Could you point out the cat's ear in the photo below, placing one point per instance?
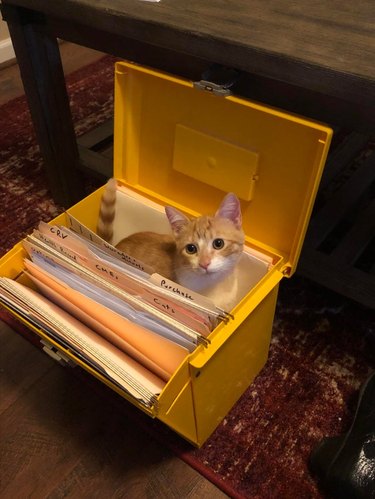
(230, 208)
(177, 219)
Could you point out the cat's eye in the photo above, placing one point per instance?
(218, 243)
(191, 249)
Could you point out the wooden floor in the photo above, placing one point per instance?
(57, 438)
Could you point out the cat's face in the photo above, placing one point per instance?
(208, 247)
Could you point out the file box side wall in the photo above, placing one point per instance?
(224, 378)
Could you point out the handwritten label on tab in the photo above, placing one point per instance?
(75, 225)
(106, 272)
(58, 232)
(40, 246)
(63, 250)
(126, 258)
(61, 240)
(176, 289)
(186, 293)
(52, 230)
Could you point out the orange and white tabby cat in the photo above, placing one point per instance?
(202, 254)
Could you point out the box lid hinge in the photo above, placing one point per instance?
(218, 80)
(286, 270)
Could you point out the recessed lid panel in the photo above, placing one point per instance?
(188, 147)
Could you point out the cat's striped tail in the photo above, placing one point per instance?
(107, 211)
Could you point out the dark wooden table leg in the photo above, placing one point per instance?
(41, 70)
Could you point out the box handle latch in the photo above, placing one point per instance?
(56, 354)
(218, 80)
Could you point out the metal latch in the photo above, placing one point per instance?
(217, 80)
(55, 354)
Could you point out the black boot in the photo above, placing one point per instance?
(346, 464)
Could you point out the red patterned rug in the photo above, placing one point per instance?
(321, 352)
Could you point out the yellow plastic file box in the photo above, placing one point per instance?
(183, 146)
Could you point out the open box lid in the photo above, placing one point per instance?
(188, 147)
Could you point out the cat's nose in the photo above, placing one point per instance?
(205, 264)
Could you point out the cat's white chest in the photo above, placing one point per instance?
(222, 291)
(225, 293)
